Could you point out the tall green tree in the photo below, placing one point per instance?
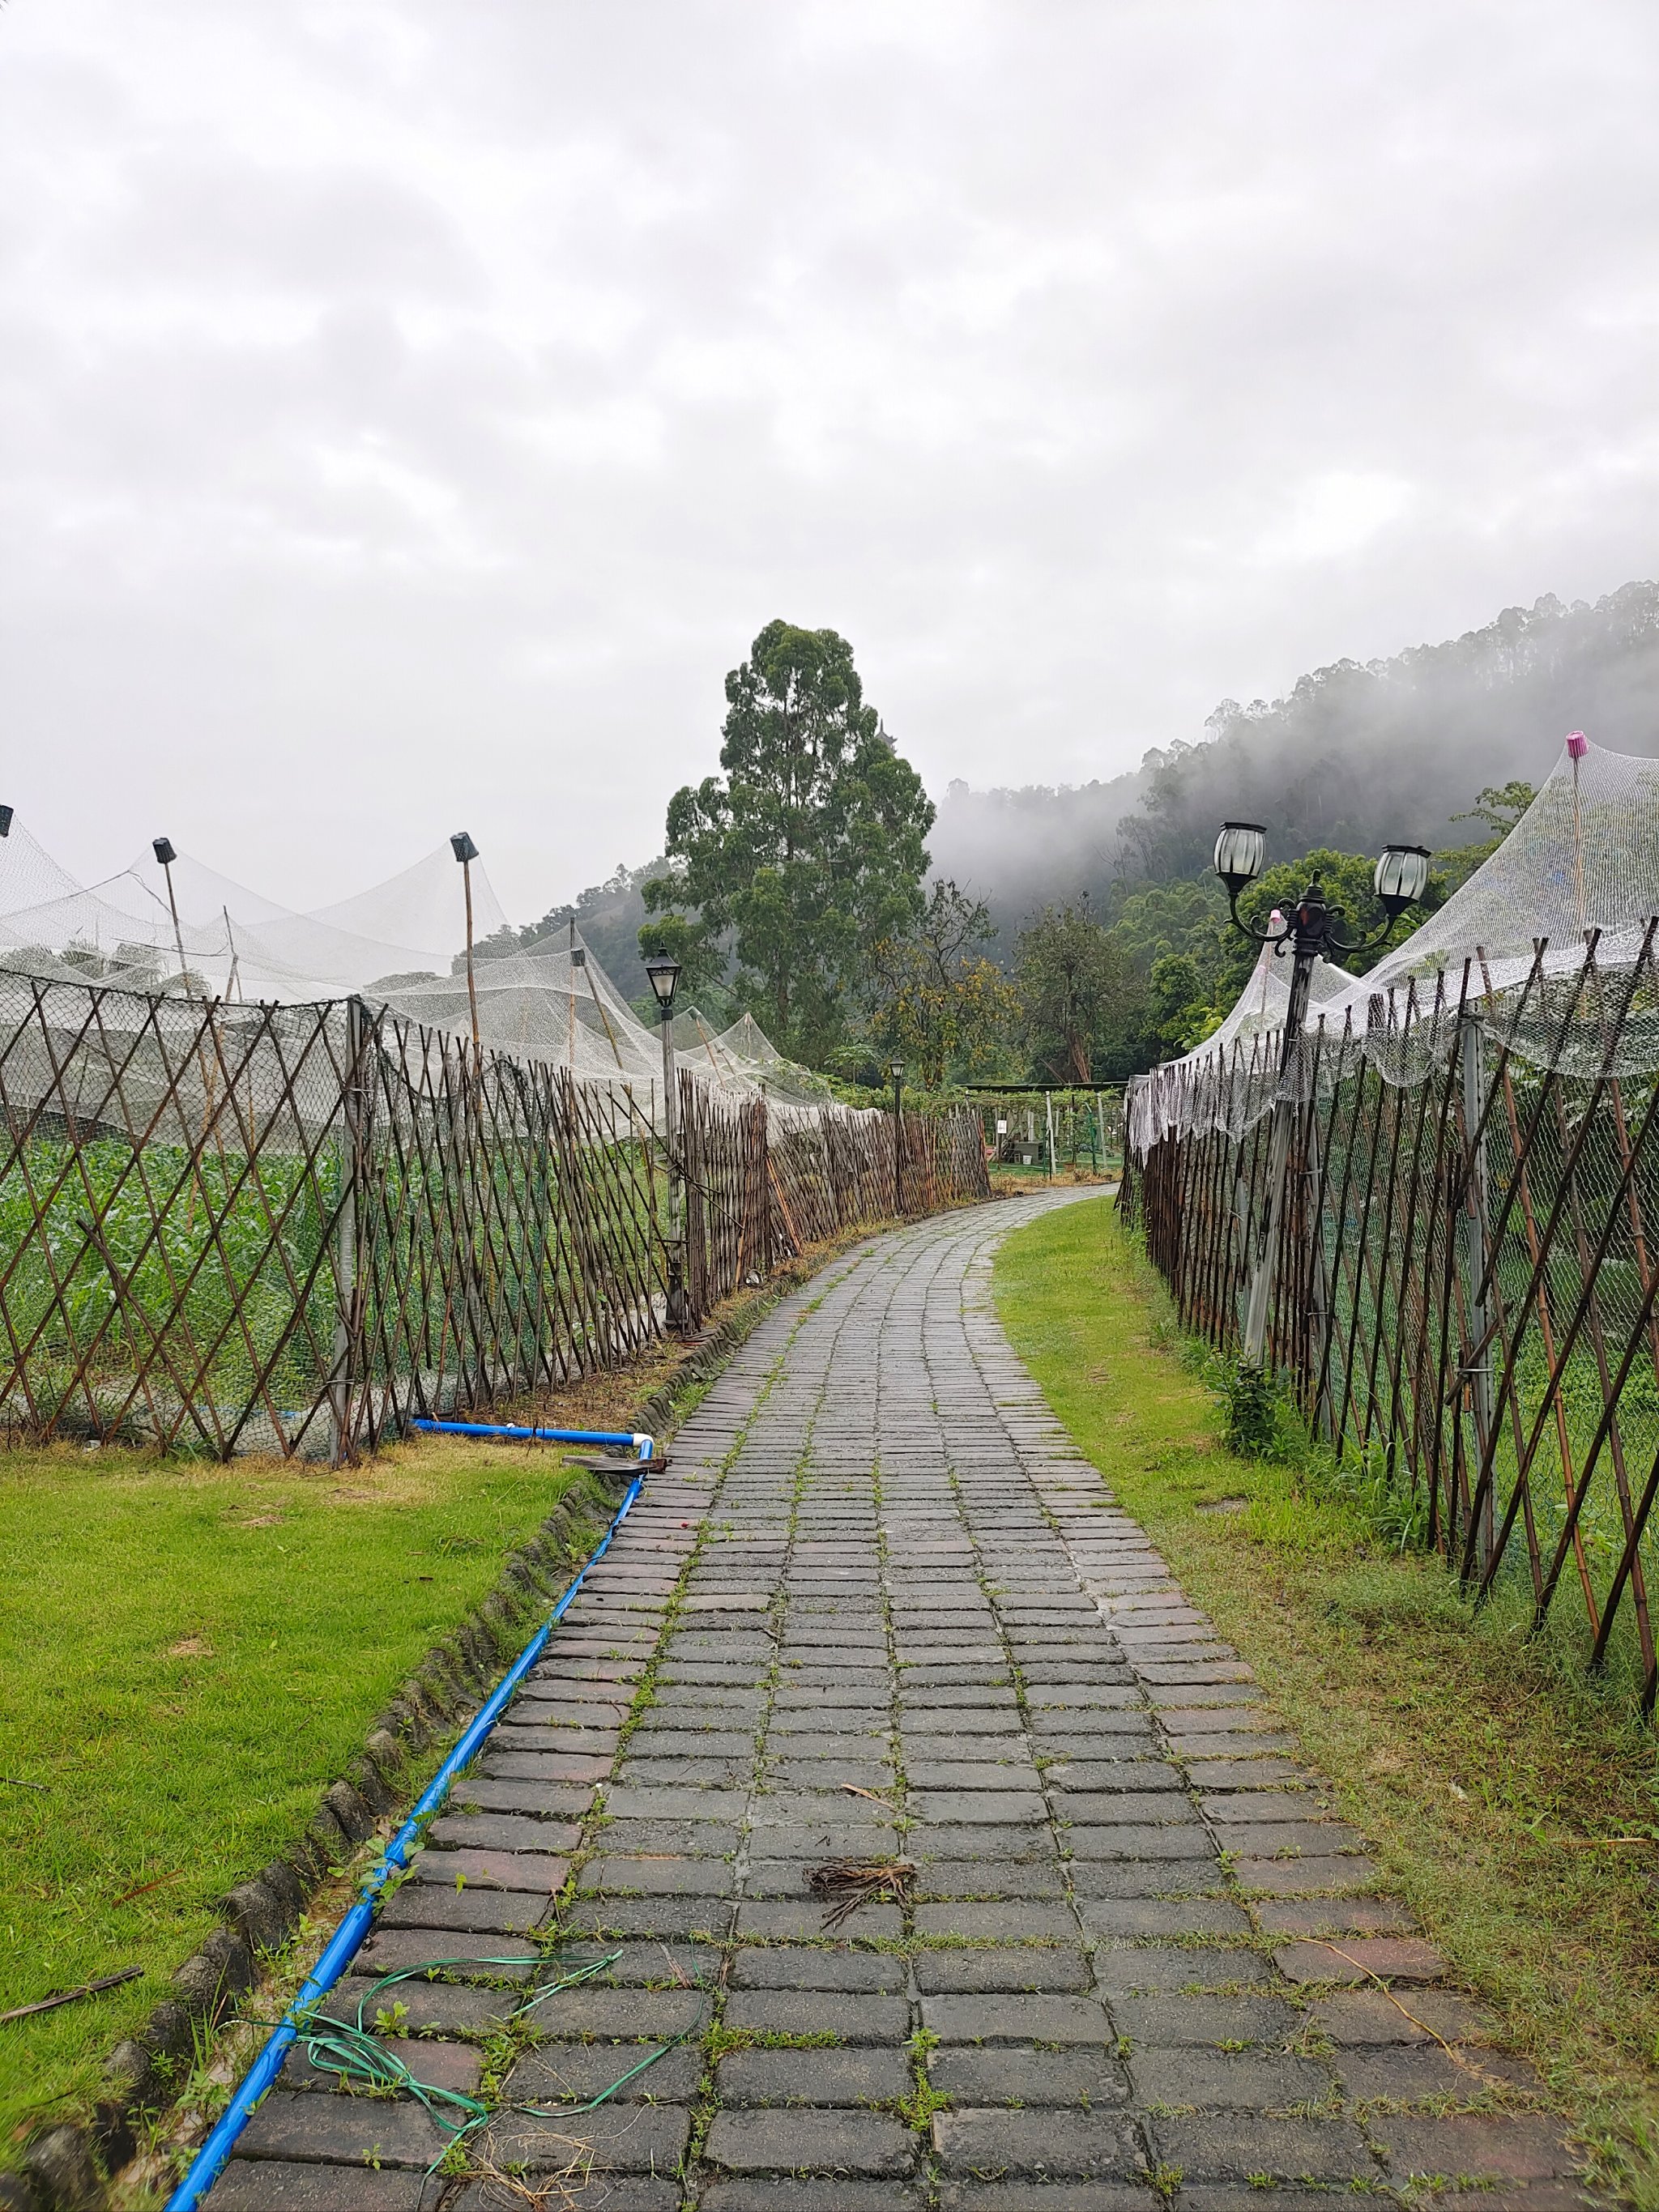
(1084, 1008)
(804, 853)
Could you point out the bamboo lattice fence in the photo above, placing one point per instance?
(293, 1228)
(1466, 1284)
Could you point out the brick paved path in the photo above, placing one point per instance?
(878, 1562)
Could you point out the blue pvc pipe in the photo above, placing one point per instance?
(347, 1939)
(634, 1443)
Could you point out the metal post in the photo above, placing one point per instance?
(898, 1141)
(346, 1319)
(1286, 1109)
(678, 1314)
(1477, 1214)
(1048, 1113)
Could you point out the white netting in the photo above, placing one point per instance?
(1545, 941)
(397, 945)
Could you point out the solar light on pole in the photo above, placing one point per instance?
(162, 848)
(466, 853)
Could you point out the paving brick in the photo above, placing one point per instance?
(1334, 1916)
(515, 1870)
(620, 2013)
(1367, 2017)
(1468, 2148)
(1154, 1966)
(474, 1911)
(1236, 2146)
(847, 2017)
(1167, 1878)
(783, 1921)
(1010, 1968)
(809, 2193)
(1002, 1923)
(294, 2125)
(1118, 1920)
(654, 1877)
(867, 2075)
(1406, 2073)
(251, 2185)
(1305, 1876)
(504, 1832)
(555, 2073)
(389, 1950)
(1093, 2145)
(431, 2008)
(800, 1967)
(1199, 2021)
(1053, 2197)
(793, 2141)
(1231, 2081)
(1002, 2076)
(1356, 1959)
(1058, 2020)
(616, 2138)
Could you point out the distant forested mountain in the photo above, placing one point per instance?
(1354, 755)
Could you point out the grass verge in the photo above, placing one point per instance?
(1515, 1805)
(190, 1654)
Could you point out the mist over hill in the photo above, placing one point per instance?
(1354, 755)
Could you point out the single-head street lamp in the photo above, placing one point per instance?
(663, 974)
(896, 1071)
(1313, 930)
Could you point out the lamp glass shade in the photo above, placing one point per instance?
(1402, 876)
(162, 847)
(1240, 852)
(663, 972)
(463, 847)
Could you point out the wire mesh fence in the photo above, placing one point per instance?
(292, 1227)
(1464, 1267)
(1049, 1130)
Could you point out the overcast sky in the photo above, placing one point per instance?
(409, 412)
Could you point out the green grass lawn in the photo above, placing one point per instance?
(1515, 1806)
(188, 1655)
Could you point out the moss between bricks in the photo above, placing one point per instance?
(68, 2167)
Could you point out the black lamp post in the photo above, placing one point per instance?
(663, 974)
(1313, 930)
(896, 1071)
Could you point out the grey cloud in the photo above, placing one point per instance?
(403, 411)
